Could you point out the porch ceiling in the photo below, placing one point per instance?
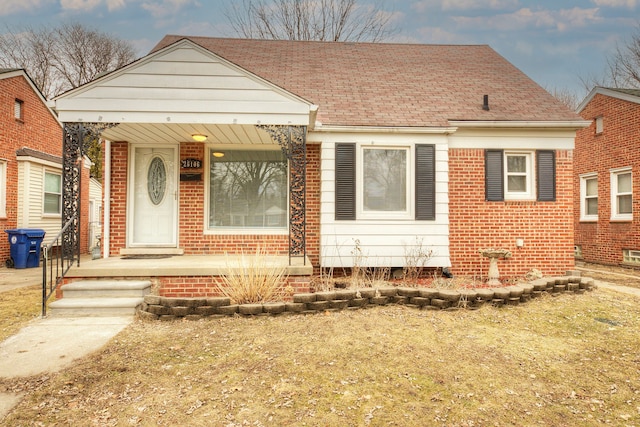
(181, 132)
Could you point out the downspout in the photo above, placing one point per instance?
(106, 173)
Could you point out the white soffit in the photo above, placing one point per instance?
(183, 83)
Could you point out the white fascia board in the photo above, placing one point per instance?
(551, 125)
(320, 128)
(607, 92)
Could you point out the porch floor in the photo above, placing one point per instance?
(176, 265)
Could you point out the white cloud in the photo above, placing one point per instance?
(7, 7)
(81, 5)
(166, 8)
(115, 4)
(427, 5)
(561, 20)
(630, 4)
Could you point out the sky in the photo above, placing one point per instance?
(558, 43)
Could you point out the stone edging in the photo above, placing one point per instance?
(163, 308)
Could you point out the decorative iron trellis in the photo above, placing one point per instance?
(292, 141)
(77, 137)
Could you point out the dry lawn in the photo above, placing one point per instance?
(17, 308)
(557, 361)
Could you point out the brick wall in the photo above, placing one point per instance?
(38, 130)
(545, 227)
(617, 146)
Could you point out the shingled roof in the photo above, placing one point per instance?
(379, 84)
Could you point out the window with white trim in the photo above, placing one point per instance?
(518, 176)
(384, 176)
(589, 197)
(52, 193)
(621, 194)
(248, 189)
(630, 256)
(3, 189)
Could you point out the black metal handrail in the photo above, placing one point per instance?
(64, 255)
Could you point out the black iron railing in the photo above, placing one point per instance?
(57, 258)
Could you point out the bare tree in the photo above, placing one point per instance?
(323, 20)
(62, 58)
(566, 96)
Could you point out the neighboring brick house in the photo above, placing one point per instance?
(30, 159)
(443, 148)
(606, 182)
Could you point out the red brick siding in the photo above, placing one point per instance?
(545, 227)
(617, 146)
(38, 130)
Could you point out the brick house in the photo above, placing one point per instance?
(338, 153)
(607, 158)
(30, 159)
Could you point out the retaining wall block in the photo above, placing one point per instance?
(217, 301)
(388, 291)
(380, 300)
(152, 299)
(358, 302)
(420, 301)
(205, 310)
(295, 307)
(408, 292)
(304, 298)
(338, 304)
(367, 293)
(428, 293)
(449, 295)
(345, 294)
(325, 296)
(318, 305)
(440, 303)
(180, 311)
(485, 294)
(227, 309)
(250, 309)
(274, 307)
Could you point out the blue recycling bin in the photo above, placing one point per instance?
(24, 247)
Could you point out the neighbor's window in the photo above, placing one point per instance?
(52, 193)
(599, 124)
(518, 175)
(621, 194)
(384, 180)
(577, 251)
(18, 109)
(630, 256)
(589, 197)
(248, 189)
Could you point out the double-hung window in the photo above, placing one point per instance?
(52, 193)
(390, 182)
(385, 182)
(520, 175)
(589, 197)
(621, 194)
(248, 190)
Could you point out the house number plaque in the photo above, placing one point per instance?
(191, 164)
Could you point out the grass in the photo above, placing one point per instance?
(570, 360)
(17, 307)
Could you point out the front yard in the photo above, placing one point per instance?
(564, 361)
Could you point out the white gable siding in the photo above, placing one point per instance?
(382, 242)
(183, 84)
(31, 199)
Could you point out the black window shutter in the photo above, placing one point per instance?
(345, 181)
(494, 175)
(546, 172)
(425, 182)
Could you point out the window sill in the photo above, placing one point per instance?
(589, 220)
(621, 220)
(246, 231)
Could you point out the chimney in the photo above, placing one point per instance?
(485, 103)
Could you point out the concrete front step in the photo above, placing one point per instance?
(73, 307)
(99, 298)
(106, 288)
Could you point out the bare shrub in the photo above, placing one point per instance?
(416, 258)
(254, 279)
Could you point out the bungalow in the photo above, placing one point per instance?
(331, 154)
(606, 178)
(31, 178)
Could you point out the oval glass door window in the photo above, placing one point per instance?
(156, 180)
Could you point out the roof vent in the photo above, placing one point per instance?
(485, 103)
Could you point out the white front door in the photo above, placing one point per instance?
(153, 197)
